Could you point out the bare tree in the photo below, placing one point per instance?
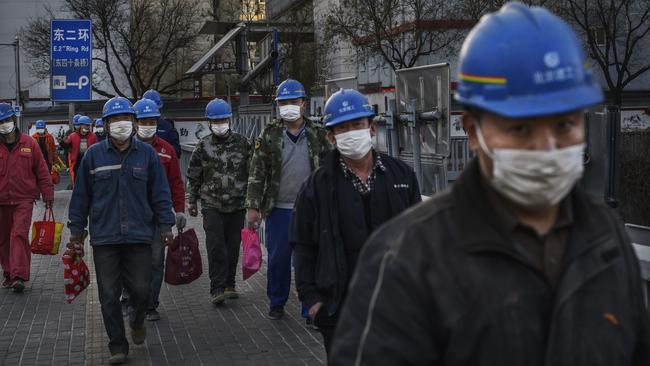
(400, 31)
(136, 42)
(616, 36)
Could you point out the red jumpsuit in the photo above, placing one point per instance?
(24, 177)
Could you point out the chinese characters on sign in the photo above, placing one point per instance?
(70, 60)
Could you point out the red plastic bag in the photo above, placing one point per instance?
(183, 263)
(56, 177)
(76, 276)
(46, 235)
(252, 252)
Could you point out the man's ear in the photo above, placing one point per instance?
(469, 125)
(373, 127)
(330, 137)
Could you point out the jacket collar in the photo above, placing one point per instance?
(108, 144)
(487, 233)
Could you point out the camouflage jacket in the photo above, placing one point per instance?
(266, 164)
(218, 172)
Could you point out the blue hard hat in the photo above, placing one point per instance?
(525, 62)
(75, 119)
(6, 111)
(40, 124)
(346, 105)
(146, 108)
(218, 109)
(153, 95)
(99, 122)
(85, 120)
(290, 89)
(117, 105)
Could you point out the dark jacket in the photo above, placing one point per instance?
(125, 199)
(317, 237)
(167, 132)
(443, 284)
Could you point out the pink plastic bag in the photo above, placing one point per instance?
(252, 252)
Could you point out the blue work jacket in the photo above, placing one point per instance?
(126, 196)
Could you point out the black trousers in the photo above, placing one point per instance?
(326, 325)
(222, 239)
(117, 265)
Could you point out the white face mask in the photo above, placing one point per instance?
(40, 131)
(354, 144)
(147, 132)
(290, 112)
(7, 128)
(121, 130)
(535, 178)
(220, 129)
(99, 129)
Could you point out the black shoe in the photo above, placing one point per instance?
(152, 315)
(309, 323)
(276, 313)
(218, 297)
(117, 359)
(18, 285)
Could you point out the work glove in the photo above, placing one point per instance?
(181, 220)
(166, 237)
(194, 211)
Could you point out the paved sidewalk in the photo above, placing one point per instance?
(39, 328)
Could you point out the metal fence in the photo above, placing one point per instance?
(634, 189)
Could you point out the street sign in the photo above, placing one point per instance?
(71, 60)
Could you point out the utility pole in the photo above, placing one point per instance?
(17, 52)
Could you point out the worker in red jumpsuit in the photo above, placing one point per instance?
(79, 141)
(24, 177)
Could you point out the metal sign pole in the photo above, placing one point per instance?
(17, 52)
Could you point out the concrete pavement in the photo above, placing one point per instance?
(39, 328)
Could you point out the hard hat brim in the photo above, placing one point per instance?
(554, 103)
(219, 116)
(288, 97)
(348, 118)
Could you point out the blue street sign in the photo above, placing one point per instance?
(71, 60)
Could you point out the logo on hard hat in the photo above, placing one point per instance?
(147, 109)
(552, 59)
(345, 103)
(117, 106)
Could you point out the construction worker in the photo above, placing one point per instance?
(166, 129)
(218, 176)
(121, 187)
(286, 153)
(98, 130)
(355, 191)
(515, 265)
(46, 143)
(24, 177)
(79, 141)
(146, 114)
